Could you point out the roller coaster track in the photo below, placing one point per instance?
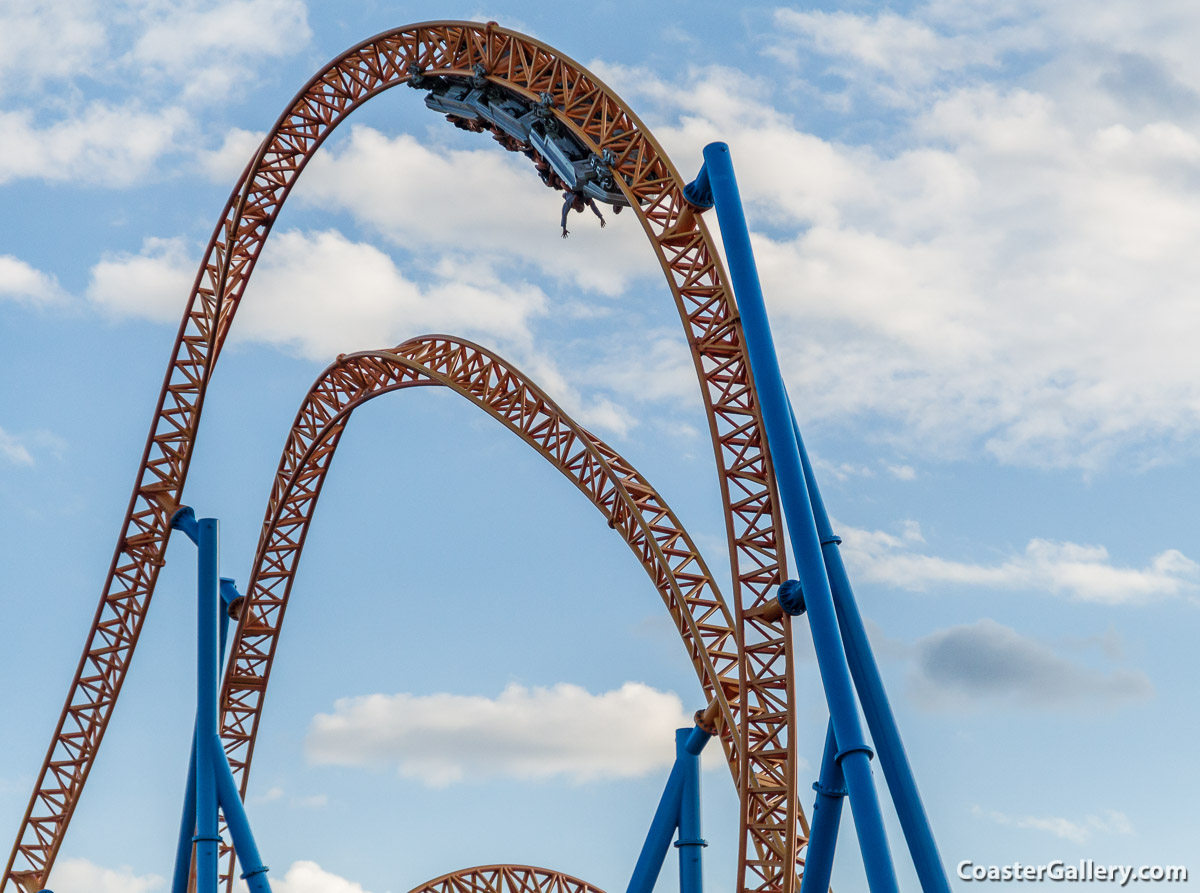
(630, 505)
(506, 879)
(772, 839)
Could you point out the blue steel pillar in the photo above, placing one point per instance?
(187, 828)
(207, 670)
(658, 838)
(793, 490)
(690, 844)
(187, 823)
(210, 780)
(253, 870)
(827, 815)
(679, 809)
(902, 784)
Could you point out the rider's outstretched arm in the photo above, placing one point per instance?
(596, 211)
(567, 201)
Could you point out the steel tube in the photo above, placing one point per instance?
(695, 740)
(690, 844)
(827, 815)
(207, 670)
(184, 520)
(187, 828)
(253, 870)
(806, 546)
(918, 833)
(658, 838)
(187, 823)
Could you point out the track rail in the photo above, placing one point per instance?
(506, 879)
(771, 820)
(628, 502)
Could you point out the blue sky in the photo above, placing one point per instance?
(975, 224)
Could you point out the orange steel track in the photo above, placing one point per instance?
(631, 506)
(770, 849)
(506, 879)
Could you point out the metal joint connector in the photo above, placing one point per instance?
(231, 597)
(791, 598)
(184, 519)
(834, 539)
(698, 193)
(696, 842)
(706, 719)
(253, 871)
(830, 792)
(856, 749)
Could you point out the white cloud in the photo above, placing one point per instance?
(485, 202)
(82, 876)
(101, 145)
(321, 294)
(271, 795)
(153, 284)
(21, 282)
(1082, 572)
(225, 163)
(1006, 268)
(987, 663)
(182, 34)
(41, 39)
(22, 449)
(840, 471)
(524, 733)
(308, 877)
(650, 366)
(14, 450)
(326, 294)
(1076, 831)
(276, 793)
(209, 46)
(884, 48)
(164, 58)
(203, 45)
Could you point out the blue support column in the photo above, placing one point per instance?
(658, 838)
(793, 491)
(893, 759)
(690, 844)
(210, 781)
(207, 669)
(827, 815)
(253, 870)
(679, 809)
(187, 823)
(187, 828)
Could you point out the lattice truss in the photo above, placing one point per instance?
(631, 506)
(506, 879)
(773, 826)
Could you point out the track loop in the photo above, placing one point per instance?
(772, 822)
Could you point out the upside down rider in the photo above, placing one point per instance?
(577, 201)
